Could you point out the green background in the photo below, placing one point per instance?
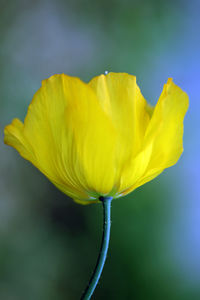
(48, 243)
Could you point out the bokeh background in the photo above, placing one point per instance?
(48, 244)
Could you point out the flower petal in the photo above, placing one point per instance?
(122, 101)
(15, 138)
(167, 127)
(94, 141)
(67, 135)
(164, 132)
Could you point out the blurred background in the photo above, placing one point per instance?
(49, 244)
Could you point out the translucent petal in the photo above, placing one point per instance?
(164, 133)
(121, 99)
(166, 127)
(68, 137)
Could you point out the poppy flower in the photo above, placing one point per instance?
(102, 138)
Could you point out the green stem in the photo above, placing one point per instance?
(103, 250)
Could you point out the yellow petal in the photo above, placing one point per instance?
(68, 137)
(94, 139)
(134, 171)
(85, 202)
(167, 127)
(164, 133)
(14, 137)
(122, 101)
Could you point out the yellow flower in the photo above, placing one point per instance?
(101, 138)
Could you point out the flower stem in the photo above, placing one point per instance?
(106, 201)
